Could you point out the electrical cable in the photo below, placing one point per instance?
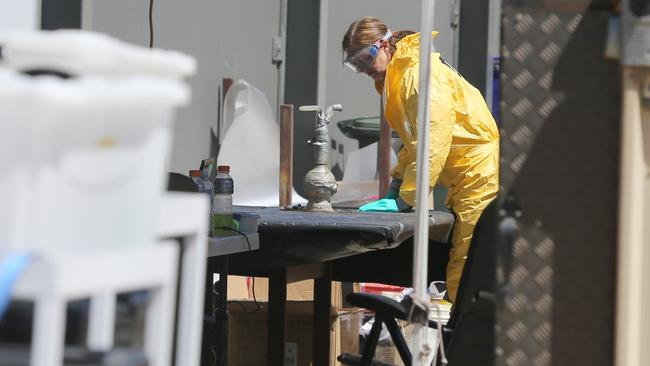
(253, 291)
(238, 232)
(150, 23)
(241, 305)
(257, 305)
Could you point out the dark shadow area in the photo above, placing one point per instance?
(569, 185)
(391, 266)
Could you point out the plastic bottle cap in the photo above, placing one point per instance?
(195, 173)
(223, 168)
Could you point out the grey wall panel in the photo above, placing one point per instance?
(301, 80)
(356, 91)
(473, 40)
(229, 38)
(60, 14)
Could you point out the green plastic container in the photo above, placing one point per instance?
(363, 129)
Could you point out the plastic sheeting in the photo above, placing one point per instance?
(251, 146)
(361, 164)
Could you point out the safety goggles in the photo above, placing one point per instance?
(362, 60)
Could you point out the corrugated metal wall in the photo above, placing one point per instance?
(560, 151)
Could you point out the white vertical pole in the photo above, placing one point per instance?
(633, 285)
(419, 347)
(101, 322)
(190, 317)
(48, 335)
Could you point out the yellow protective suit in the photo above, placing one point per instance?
(463, 143)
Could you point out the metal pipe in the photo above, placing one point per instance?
(419, 347)
(286, 154)
(384, 152)
(282, 64)
(319, 183)
(321, 142)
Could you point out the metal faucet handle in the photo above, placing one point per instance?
(310, 108)
(336, 107)
(325, 115)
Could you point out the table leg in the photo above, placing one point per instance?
(222, 312)
(322, 304)
(277, 321)
(215, 333)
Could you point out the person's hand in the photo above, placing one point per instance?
(382, 205)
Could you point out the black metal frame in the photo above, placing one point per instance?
(469, 334)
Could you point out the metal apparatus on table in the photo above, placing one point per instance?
(319, 183)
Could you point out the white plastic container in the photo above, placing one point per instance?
(83, 53)
(83, 159)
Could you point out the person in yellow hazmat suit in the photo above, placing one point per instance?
(463, 136)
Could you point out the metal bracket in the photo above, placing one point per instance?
(645, 92)
(277, 54)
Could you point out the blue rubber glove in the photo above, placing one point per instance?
(11, 266)
(382, 205)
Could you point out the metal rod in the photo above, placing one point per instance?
(286, 154)
(421, 240)
(282, 65)
(384, 152)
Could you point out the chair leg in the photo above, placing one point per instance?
(371, 342)
(48, 335)
(399, 341)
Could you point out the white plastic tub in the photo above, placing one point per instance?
(83, 160)
(83, 53)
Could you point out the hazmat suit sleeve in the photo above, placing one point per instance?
(441, 123)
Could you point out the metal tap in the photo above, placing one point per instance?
(319, 183)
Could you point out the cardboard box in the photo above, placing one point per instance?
(247, 333)
(241, 288)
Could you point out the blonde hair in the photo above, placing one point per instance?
(366, 31)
